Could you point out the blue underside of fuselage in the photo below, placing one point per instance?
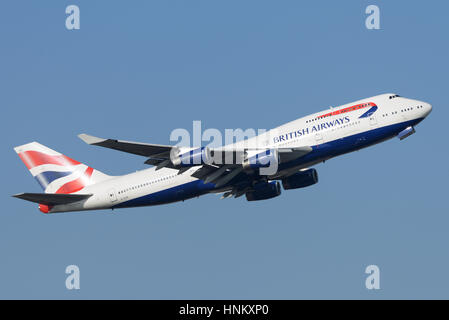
(319, 153)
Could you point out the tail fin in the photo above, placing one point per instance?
(55, 172)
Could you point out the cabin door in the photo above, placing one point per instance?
(112, 195)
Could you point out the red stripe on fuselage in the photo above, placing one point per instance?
(35, 158)
(78, 184)
(347, 109)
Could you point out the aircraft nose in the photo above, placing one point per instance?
(427, 108)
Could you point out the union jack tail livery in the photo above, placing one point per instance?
(55, 172)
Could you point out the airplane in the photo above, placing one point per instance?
(234, 170)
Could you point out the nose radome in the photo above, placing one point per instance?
(427, 108)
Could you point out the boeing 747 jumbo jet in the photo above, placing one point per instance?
(253, 167)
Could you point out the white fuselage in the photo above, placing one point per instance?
(331, 132)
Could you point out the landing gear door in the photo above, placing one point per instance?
(112, 195)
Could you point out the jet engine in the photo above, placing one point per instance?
(261, 160)
(194, 157)
(301, 179)
(263, 191)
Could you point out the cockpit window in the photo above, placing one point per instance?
(395, 96)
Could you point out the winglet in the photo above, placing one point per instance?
(90, 139)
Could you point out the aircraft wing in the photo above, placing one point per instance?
(138, 148)
(289, 154)
(220, 174)
(157, 152)
(52, 198)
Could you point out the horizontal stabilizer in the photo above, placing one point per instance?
(52, 198)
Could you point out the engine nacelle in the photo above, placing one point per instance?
(301, 179)
(264, 190)
(261, 160)
(193, 157)
(406, 132)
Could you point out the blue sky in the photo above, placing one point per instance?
(137, 71)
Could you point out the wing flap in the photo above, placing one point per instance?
(52, 198)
